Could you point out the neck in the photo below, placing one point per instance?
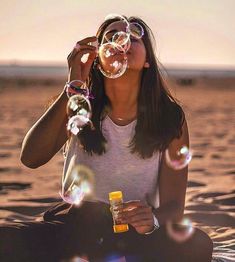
(122, 93)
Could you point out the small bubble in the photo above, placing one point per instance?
(100, 241)
(77, 184)
(181, 159)
(122, 39)
(136, 30)
(180, 231)
(79, 104)
(75, 123)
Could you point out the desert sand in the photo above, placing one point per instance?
(210, 111)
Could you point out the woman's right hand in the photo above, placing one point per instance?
(79, 70)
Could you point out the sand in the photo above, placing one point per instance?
(210, 110)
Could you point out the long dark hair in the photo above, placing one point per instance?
(159, 116)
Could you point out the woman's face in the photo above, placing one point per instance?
(136, 55)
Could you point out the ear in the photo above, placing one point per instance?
(146, 65)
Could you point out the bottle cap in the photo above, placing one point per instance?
(120, 228)
(115, 195)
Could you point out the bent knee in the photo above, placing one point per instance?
(205, 240)
(203, 243)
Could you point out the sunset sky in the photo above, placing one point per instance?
(187, 32)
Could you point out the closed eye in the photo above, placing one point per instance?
(133, 39)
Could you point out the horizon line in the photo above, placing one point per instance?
(48, 63)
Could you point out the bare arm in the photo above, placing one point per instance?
(172, 184)
(47, 135)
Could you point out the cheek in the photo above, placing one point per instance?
(141, 53)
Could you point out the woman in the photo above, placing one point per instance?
(135, 120)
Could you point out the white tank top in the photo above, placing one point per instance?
(118, 169)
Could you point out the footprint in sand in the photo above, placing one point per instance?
(5, 155)
(194, 184)
(10, 169)
(14, 186)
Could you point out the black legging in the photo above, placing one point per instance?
(67, 232)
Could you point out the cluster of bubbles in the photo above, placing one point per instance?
(78, 181)
(78, 107)
(112, 54)
(181, 160)
(181, 231)
(113, 49)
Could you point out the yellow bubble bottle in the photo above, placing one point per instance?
(116, 200)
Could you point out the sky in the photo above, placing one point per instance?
(187, 32)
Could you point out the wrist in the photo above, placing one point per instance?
(155, 225)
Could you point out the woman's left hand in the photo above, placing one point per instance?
(138, 215)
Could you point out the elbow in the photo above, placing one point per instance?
(27, 161)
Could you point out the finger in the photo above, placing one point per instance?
(90, 60)
(140, 215)
(74, 50)
(85, 51)
(128, 206)
(137, 210)
(143, 223)
(78, 48)
(136, 217)
(76, 59)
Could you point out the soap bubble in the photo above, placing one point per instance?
(76, 123)
(120, 17)
(135, 30)
(77, 184)
(112, 60)
(122, 39)
(180, 231)
(182, 159)
(79, 105)
(76, 87)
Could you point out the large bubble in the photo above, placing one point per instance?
(112, 60)
(181, 231)
(181, 159)
(77, 184)
(76, 123)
